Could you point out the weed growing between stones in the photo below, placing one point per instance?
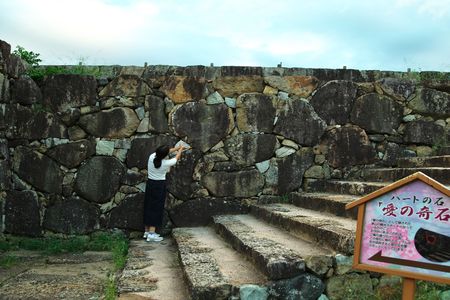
(284, 198)
(110, 288)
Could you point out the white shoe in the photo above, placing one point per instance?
(147, 233)
(154, 237)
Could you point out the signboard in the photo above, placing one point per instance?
(404, 229)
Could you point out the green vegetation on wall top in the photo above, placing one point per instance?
(38, 72)
(29, 56)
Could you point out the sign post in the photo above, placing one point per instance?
(404, 229)
(409, 288)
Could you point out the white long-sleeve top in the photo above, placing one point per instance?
(160, 173)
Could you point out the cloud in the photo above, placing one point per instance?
(330, 34)
(437, 9)
(86, 25)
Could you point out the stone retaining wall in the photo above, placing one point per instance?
(74, 148)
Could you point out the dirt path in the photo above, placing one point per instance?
(68, 276)
(152, 272)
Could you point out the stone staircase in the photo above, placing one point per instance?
(289, 249)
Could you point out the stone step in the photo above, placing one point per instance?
(325, 202)
(272, 258)
(445, 150)
(359, 188)
(212, 268)
(327, 230)
(388, 174)
(442, 161)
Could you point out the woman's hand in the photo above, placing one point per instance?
(175, 149)
(180, 150)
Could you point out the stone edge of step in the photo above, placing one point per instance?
(204, 279)
(337, 239)
(275, 260)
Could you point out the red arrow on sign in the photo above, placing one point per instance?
(410, 263)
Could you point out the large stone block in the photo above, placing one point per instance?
(301, 86)
(203, 125)
(133, 178)
(376, 113)
(4, 89)
(299, 122)
(141, 148)
(117, 122)
(4, 151)
(240, 71)
(333, 102)
(72, 216)
(286, 174)
(129, 214)
(181, 89)
(38, 170)
(233, 86)
(180, 177)
(5, 168)
(424, 132)
(255, 113)
(236, 184)
(348, 146)
(158, 122)
(99, 179)
(400, 89)
(25, 91)
(199, 212)
(22, 213)
(302, 287)
(72, 154)
(431, 102)
(5, 175)
(126, 85)
(64, 91)
(16, 67)
(5, 54)
(253, 292)
(248, 149)
(24, 123)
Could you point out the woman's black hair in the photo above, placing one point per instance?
(161, 152)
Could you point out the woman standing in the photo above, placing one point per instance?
(155, 190)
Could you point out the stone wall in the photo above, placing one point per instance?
(74, 148)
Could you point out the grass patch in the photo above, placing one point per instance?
(8, 261)
(284, 198)
(110, 288)
(429, 290)
(100, 241)
(425, 290)
(116, 243)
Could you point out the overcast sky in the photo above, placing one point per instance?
(382, 34)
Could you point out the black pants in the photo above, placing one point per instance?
(155, 198)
